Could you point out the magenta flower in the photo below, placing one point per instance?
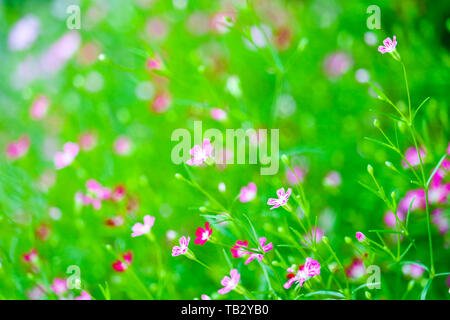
(161, 102)
(412, 157)
(205, 297)
(413, 270)
(356, 270)
(203, 235)
(419, 200)
(200, 153)
(218, 114)
(438, 194)
(259, 256)
(283, 198)
(292, 178)
(183, 248)
(140, 229)
(248, 193)
(122, 146)
(310, 269)
(390, 220)
(18, 149)
(360, 236)
(238, 250)
(67, 156)
(59, 286)
(230, 283)
(389, 45)
(30, 257)
(121, 266)
(440, 221)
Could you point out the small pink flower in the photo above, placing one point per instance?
(139, 229)
(200, 153)
(291, 177)
(39, 107)
(122, 146)
(161, 102)
(115, 221)
(315, 235)
(203, 235)
(87, 141)
(238, 250)
(154, 63)
(390, 220)
(441, 173)
(248, 193)
(389, 45)
(336, 64)
(218, 114)
(67, 156)
(438, 194)
(59, 286)
(183, 248)
(84, 296)
(332, 179)
(305, 272)
(118, 193)
(356, 270)
(205, 297)
(412, 157)
(121, 266)
(283, 198)
(259, 256)
(360, 236)
(440, 221)
(30, 257)
(419, 200)
(18, 149)
(413, 270)
(230, 283)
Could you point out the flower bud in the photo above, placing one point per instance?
(370, 169)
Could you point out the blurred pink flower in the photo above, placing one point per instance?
(413, 270)
(282, 200)
(183, 248)
(230, 283)
(156, 29)
(419, 200)
(122, 146)
(200, 153)
(412, 157)
(389, 45)
(115, 221)
(60, 52)
(238, 251)
(39, 107)
(356, 270)
(218, 114)
(203, 234)
(259, 256)
(23, 33)
(121, 266)
(31, 256)
(389, 218)
(205, 297)
(221, 22)
(59, 286)
(291, 177)
(154, 63)
(161, 102)
(84, 296)
(440, 221)
(315, 235)
(18, 149)
(439, 193)
(248, 193)
(310, 269)
(67, 156)
(87, 140)
(332, 179)
(337, 63)
(140, 229)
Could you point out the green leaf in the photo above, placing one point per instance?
(364, 286)
(436, 169)
(425, 289)
(327, 293)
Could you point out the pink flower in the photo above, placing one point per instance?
(332, 179)
(248, 193)
(200, 153)
(315, 235)
(115, 221)
(259, 256)
(65, 158)
(59, 53)
(59, 286)
(441, 173)
(17, 149)
(118, 193)
(238, 250)
(205, 297)
(389, 45)
(84, 296)
(413, 270)
(291, 177)
(283, 198)
(218, 114)
(154, 63)
(356, 270)
(412, 157)
(87, 141)
(122, 146)
(360, 236)
(121, 266)
(39, 107)
(440, 221)
(310, 269)
(96, 188)
(183, 248)
(139, 229)
(161, 102)
(390, 220)
(419, 200)
(337, 64)
(203, 235)
(30, 257)
(438, 194)
(230, 283)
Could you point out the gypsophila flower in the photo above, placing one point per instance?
(183, 248)
(230, 283)
(282, 200)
